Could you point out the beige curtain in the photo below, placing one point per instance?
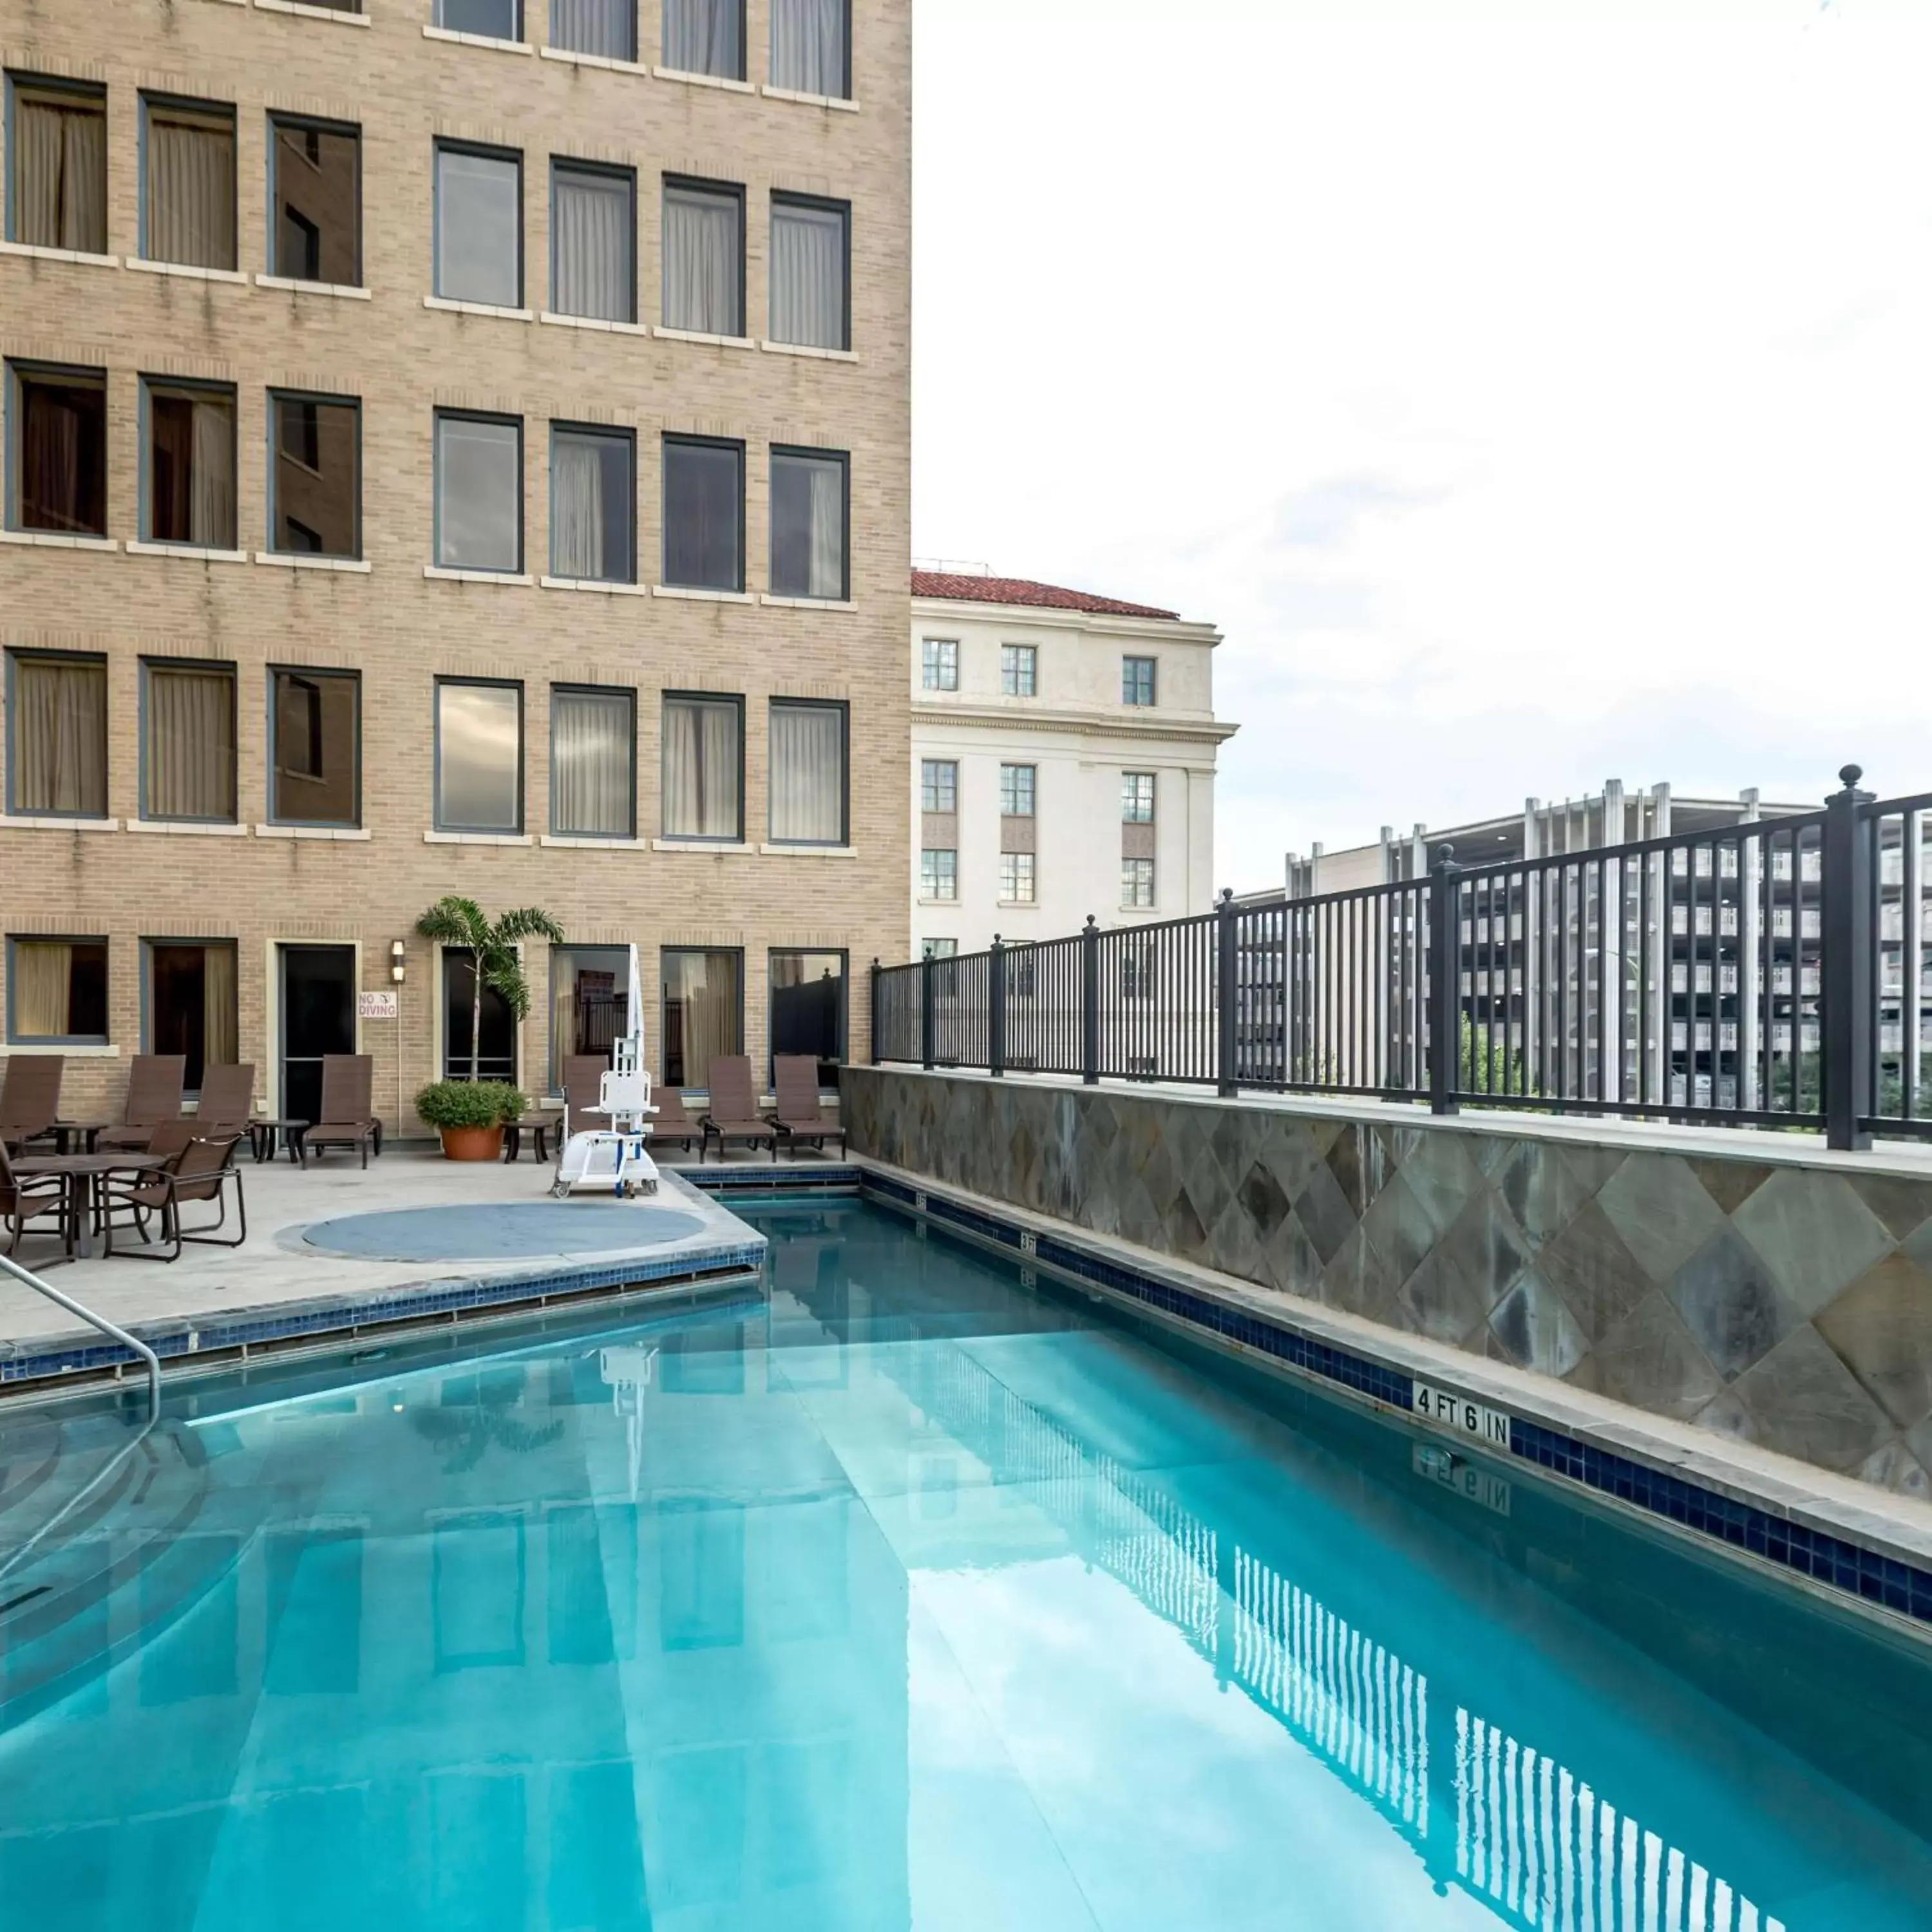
(807, 774)
(576, 506)
(190, 192)
(42, 975)
(592, 738)
(711, 1005)
(700, 769)
(221, 1032)
(60, 737)
(211, 477)
(61, 179)
(191, 743)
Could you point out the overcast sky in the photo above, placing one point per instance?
(1531, 401)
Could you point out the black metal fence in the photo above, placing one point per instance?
(1771, 972)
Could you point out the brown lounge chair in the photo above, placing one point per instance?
(226, 1099)
(30, 1096)
(733, 1114)
(583, 1078)
(201, 1171)
(26, 1197)
(154, 1099)
(671, 1122)
(348, 1118)
(799, 1115)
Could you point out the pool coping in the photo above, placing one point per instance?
(1826, 1534)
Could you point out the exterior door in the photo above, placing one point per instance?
(318, 1017)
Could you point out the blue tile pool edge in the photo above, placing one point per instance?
(1862, 1578)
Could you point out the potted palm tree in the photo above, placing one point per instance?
(470, 1115)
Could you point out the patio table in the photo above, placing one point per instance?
(84, 1179)
(262, 1134)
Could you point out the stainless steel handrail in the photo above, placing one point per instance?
(111, 1330)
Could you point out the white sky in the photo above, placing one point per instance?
(1533, 395)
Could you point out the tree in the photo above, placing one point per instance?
(492, 944)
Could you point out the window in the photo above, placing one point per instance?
(1020, 975)
(607, 28)
(704, 514)
(57, 474)
(1016, 791)
(808, 499)
(1137, 680)
(479, 493)
(939, 949)
(703, 257)
(1016, 878)
(189, 497)
(810, 254)
(479, 757)
(315, 765)
(315, 480)
(808, 995)
(56, 735)
(496, 1037)
(705, 36)
(938, 874)
(1137, 798)
(187, 742)
(1019, 665)
(703, 1012)
(592, 510)
(589, 1003)
(187, 192)
(479, 227)
(1136, 974)
(812, 47)
(1136, 883)
(494, 20)
(315, 232)
(57, 148)
(939, 665)
(593, 229)
(190, 1004)
(938, 784)
(703, 757)
(593, 745)
(808, 773)
(57, 992)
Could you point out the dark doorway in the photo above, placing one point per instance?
(318, 1017)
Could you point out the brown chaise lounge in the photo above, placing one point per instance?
(733, 1114)
(799, 1114)
(153, 1098)
(672, 1122)
(348, 1117)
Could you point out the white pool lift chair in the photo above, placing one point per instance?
(613, 1158)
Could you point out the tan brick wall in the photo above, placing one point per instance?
(400, 630)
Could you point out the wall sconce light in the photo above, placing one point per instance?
(397, 969)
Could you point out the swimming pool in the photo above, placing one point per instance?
(902, 1596)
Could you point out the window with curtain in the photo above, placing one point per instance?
(1137, 798)
(57, 736)
(1016, 786)
(315, 227)
(704, 514)
(703, 795)
(315, 480)
(479, 493)
(808, 508)
(479, 227)
(589, 1002)
(189, 497)
(809, 255)
(593, 736)
(807, 774)
(315, 775)
(187, 742)
(58, 152)
(591, 510)
(57, 992)
(187, 198)
(494, 20)
(479, 757)
(938, 873)
(812, 47)
(703, 258)
(1016, 878)
(939, 665)
(59, 446)
(705, 36)
(607, 28)
(703, 1012)
(191, 1007)
(807, 1008)
(939, 784)
(593, 227)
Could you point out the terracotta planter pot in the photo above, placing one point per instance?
(473, 1143)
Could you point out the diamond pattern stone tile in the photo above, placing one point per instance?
(1532, 1327)
(1593, 1166)
(1589, 1266)
(1655, 1202)
(1730, 1183)
(1880, 1330)
(1814, 1234)
(1651, 1360)
(1468, 1272)
(1806, 1402)
(1903, 1204)
(1358, 1280)
(1400, 1229)
(1359, 1162)
(1729, 1301)
(1440, 1174)
(1542, 1192)
(1895, 1468)
(1290, 1153)
(1289, 1260)
(1324, 1212)
(1262, 1198)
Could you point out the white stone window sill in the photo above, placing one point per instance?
(478, 839)
(939, 902)
(693, 596)
(340, 16)
(354, 566)
(29, 822)
(810, 851)
(343, 291)
(489, 40)
(186, 828)
(1018, 905)
(334, 835)
(808, 603)
(194, 552)
(596, 322)
(35, 252)
(699, 335)
(573, 58)
(590, 843)
(834, 100)
(66, 1049)
(595, 584)
(57, 540)
(187, 270)
(807, 350)
(479, 308)
(477, 576)
(717, 80)
(698, 845)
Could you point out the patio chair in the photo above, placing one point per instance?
(153, 1098)
(673, 1122)
(348, 1118)
(25, 1198)
(30, 1095)
(227, 1099)
(799, 1115)
(733, 1114)
(582, 1075)
(202, 1170)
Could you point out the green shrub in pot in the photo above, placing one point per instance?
(470, 1103)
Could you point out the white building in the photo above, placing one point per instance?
(1062, 761)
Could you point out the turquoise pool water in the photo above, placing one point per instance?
(903, 1597)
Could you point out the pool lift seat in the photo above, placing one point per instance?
(613, 1158)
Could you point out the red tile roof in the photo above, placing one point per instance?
(971, 589)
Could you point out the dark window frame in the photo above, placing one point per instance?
(15, 1037)
(353, 403)
(36, 369)
(12, 657)
(316, 674)
(144, 520)
(736, 700)
(441, 416)
(572, 164)
(150, 98)
(148, 941)
(844, 708)
(1131, 665)
(610, 433)
(667, 443)
(798, 452)
(521, 24)
(312, 123)
(233, 669)
(744, 73)
(481, 151)
(700, 185)
(843, 954)
(771, 65)
(576, 688)
(703, 952)
(94, 93)
(822, 205)
(522, 756)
